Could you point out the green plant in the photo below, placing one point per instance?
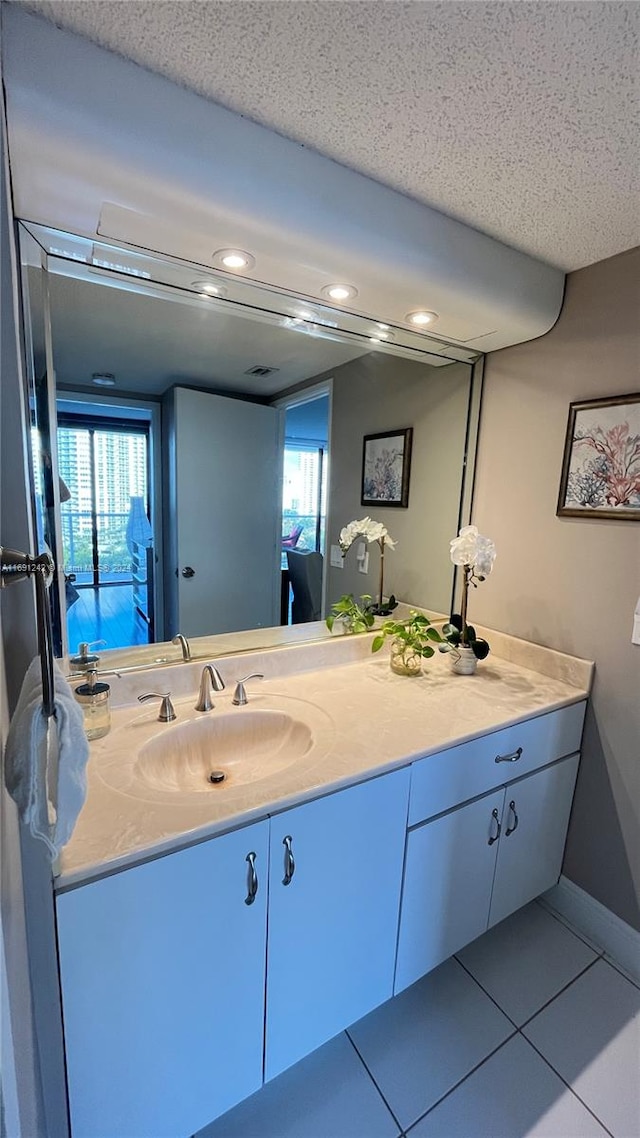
(415, 634)
(461, 635)
(355, 617)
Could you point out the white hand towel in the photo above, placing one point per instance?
(45, 760)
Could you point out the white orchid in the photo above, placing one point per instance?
(475, 554)
(366, 528)
(473, 550)
(371, 531)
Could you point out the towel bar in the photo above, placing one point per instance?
(15, 566)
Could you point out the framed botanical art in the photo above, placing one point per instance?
(601, 466)
(386, 463)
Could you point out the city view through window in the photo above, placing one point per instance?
(106, 533)
(303, 498)
(101, 469)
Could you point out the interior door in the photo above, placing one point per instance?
(226, 513)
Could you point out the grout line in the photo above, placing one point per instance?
(396, 1120)
(568, 1086)
(559, 993)
(461, 1081)
(620, 969)
(566, 923)
(488, 994)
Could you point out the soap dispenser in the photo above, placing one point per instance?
(93, 697)
(85, 659)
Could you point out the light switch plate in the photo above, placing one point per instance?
(635, 635)
(363, 563)
(337, 560)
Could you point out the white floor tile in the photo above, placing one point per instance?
(526, 960)
(326, 1095)
(420, 1044)
(591, 1036)
(513, 1095)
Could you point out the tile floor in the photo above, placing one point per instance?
(527, 1032)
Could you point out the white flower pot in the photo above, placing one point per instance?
(464, 662)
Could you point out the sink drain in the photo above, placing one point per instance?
(217, 776)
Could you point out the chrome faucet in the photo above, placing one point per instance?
(184, 644)
(210, 680)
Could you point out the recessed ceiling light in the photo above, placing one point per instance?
(103, 379)
(421, 317)
(340, 291)
(209, 288)
(234, 259)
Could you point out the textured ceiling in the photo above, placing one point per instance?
(519, 118)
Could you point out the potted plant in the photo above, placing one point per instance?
(476, 555)
(411, 642)
(372, 532)
(349, 616)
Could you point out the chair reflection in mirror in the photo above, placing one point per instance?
(290, 540)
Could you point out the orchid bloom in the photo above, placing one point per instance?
(366, 528)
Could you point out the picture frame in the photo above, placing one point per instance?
(601, 464)
(386, 467)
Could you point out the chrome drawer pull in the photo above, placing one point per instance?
(496, 818)
(252, 879)
(512, 810)
(512, 758)
(289, 863)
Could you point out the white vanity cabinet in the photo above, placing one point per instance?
(534, 825)
(189, 980)
(470, 865)
(333, 914)
(162, 974)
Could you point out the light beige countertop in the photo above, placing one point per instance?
(364, 719)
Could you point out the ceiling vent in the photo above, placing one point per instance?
(261, 369)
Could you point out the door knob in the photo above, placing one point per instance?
(188, 571)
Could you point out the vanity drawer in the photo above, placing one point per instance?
(444, 780)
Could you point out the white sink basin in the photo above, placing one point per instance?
(172, 763)
(242, 747)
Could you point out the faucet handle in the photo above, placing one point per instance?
(240, 695)
(167, 711)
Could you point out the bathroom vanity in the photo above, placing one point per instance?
(212, 935)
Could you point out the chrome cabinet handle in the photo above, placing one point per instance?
(252, 879)
(496, 818)
(512, 810)
(512, 758)
(289, 861)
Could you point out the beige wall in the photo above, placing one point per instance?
(379, 393)
(572, 583)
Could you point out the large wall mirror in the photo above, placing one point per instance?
(197, 448)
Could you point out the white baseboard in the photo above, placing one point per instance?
(603, 928)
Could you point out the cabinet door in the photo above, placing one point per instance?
(536, 816)
(447, 886)
(162, 974)
(333, 927)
